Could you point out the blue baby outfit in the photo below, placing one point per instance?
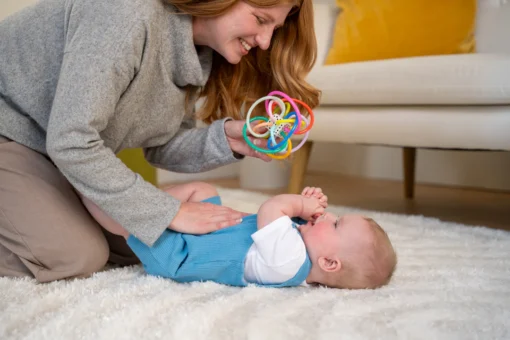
(218, 256)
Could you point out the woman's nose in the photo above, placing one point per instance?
(264, 38)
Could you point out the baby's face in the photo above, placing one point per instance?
(330, 233)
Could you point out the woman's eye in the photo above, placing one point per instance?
(260, 20)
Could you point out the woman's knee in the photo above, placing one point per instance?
(54, 237)
(91, 256)
(78, 259)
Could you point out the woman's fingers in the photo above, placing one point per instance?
(203, 218)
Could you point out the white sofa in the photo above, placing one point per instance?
(444, 102)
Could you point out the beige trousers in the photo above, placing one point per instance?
(45, 231)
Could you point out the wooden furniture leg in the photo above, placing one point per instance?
(409, 159)
(298, 169)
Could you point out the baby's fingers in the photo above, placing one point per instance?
(307, 191)
(319, 195)
(317, 192)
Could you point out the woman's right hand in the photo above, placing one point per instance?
(236, 142)
(203, 218)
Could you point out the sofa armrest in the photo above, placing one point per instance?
(493, 25)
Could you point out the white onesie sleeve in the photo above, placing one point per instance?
(276, 255)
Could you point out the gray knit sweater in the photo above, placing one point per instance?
(81, 80)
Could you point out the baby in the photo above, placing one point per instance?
(291, 241)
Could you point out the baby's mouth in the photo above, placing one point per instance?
(314, 220)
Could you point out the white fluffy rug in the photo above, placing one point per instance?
(452, 282)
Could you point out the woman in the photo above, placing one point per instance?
(80, 80)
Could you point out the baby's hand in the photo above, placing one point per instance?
(312, 208)
(317, 193)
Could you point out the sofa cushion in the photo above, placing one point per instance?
(463, 79)
(447, 127)
(375, 29)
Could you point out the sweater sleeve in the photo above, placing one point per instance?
(194, 149)
(97, 68)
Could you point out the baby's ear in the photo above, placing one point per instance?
(330, 265)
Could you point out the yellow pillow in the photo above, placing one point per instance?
(383, 29)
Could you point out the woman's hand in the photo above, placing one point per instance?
(203, 218)
(234, 133)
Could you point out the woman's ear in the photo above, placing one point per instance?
(330, 265)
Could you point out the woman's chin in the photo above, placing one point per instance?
(233, 58)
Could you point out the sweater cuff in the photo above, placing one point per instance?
(235, 156)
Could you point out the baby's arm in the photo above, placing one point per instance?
(288, 205)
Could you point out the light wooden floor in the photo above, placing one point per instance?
(467, 206)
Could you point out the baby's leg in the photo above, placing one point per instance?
(103, 219)
(192, 192)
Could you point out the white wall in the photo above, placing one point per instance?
(229, 171)
(8, 7)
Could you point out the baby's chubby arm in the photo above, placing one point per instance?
(289, 205)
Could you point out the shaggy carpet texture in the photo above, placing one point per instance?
(452, 282)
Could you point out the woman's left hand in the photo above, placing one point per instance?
(234, 132)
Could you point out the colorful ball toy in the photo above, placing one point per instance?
(281, 123)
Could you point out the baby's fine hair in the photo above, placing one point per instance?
(371, 267)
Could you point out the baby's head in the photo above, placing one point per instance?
(350, 251)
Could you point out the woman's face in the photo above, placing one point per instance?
(242, 28)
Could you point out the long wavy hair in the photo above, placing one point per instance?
(283, 66)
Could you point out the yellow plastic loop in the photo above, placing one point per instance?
(285, 155)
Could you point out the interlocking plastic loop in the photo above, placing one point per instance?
(282, 124)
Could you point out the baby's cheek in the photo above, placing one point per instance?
(320, 234)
